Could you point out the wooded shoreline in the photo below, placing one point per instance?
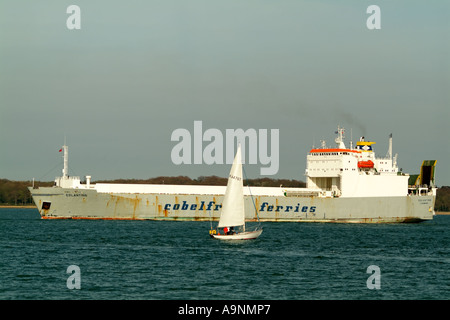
(14, 194)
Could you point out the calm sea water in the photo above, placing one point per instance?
(178, 260)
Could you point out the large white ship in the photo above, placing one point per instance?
(342, 185)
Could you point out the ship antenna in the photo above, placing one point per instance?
(66, 159)
(340, 139)
(351, 138)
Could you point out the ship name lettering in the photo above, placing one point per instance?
(185, 206)
(212, 206)
(297, 208)
(76, 195)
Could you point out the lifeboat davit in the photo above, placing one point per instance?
(365, 164)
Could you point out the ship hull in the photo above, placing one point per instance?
(69, 203)
(250, 235)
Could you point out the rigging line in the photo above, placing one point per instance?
(253, 201)
(210, 219)
(73, 171)
(57, 165)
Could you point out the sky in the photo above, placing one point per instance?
(117, 88)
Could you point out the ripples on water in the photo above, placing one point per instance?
(178, 260)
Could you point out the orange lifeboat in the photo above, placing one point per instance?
(365, 164)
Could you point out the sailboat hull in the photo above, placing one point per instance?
(248, 235)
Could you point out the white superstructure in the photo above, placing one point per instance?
(343, 172)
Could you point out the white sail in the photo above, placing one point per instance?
(233, 213)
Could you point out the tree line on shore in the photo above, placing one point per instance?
(16, 192)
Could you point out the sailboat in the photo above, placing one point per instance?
(232, 216)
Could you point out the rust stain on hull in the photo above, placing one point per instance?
(120, 205)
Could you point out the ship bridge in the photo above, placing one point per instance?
(354, 172)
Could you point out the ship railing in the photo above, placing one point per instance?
(422, 190)
(69, 178)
